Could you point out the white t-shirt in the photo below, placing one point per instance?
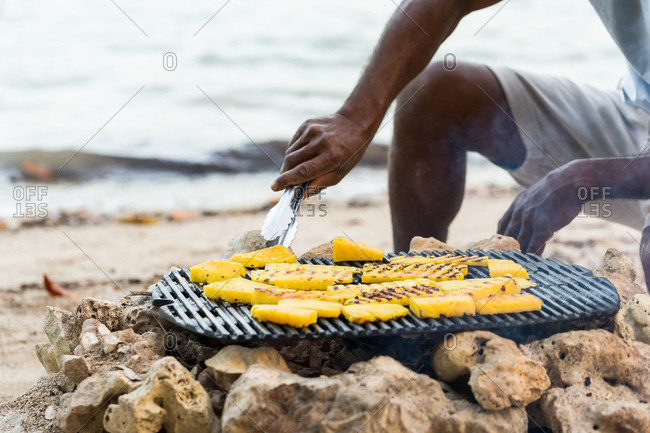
(628, 21)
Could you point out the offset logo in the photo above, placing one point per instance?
(313, 206)
(30, 201)
(170, 61)
(595, 208)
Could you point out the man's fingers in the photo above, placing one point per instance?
(302, 173)
(307, 133)
(504, 221)
(513, 227)
(301, 155)
(299, 132)
(525, 233)
(537, 243)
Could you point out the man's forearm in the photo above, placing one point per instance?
(615, 178)
(410, 39)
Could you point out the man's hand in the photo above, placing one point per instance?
(323, 151)
(541, 210)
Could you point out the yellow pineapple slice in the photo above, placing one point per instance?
(398, 283)
(482, 287)
(323, 308)
(508, 304)
(386, 272)
(270, 295)
(259, 258)
(499, 268)
(447, 258)
(391, 293)
(524, 283)
(415, 260)
(261, 276)
(234, 290)
(373, 312)
(347, 291)
(304, 282)
(304, 277)
(215, 270)
(346, 250)
(301, 267)
(447, 306)
(285, 315)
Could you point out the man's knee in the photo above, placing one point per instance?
(439, 88)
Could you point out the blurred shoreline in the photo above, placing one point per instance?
(91, 186)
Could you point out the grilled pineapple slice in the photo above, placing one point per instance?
(385, 272)
(346, 250)
(482, 287)
(341, 294)
(234, 290)
(323, 308)
(285, 315)
(304, 282)
(415, 260)
(524, 283)
(499, 268)
(398, 283)
(301, 267)
(259, 258)
(387, 293)
(448, 306)
(447, 258)
(270, 295)
(373, 312)
(262, 276)
(304, 277)
(216, 270)
(508, 304)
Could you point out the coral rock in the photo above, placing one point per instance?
(83, 410)
(75, 368)
(377, 396)
(633, 321)
(244, 242)
(496, 242)
(620, 270)
(500, 375)
(169, 399)
(325, 250)
(600, 382)
(60, 330)
(231, 361)
(48, 357)
(419, 244)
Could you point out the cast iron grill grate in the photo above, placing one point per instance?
(569, 293)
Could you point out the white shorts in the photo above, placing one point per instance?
(560, 121)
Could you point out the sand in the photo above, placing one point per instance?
(111, 259)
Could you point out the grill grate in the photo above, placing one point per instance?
(569, 293)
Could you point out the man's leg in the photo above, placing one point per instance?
(455, 112)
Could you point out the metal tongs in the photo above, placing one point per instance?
(280, 225)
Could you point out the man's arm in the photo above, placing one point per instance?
(324, 150)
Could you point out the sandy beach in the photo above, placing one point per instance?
(111, 259)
